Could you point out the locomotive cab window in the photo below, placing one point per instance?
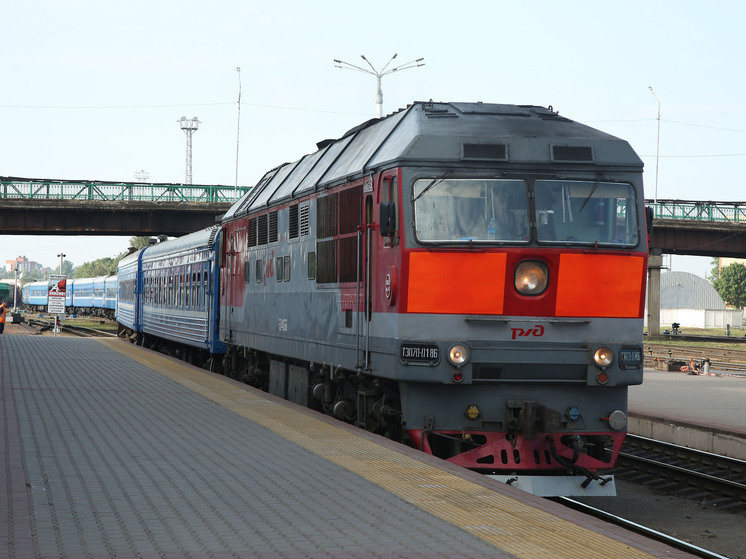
(389, 197)
(469, 210)
(586, 212)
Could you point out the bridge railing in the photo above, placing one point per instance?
(37, 189)
(732, 212)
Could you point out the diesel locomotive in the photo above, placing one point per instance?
(468, 278)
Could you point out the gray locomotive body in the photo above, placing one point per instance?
(469, 278)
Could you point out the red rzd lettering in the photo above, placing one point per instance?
(536, 331)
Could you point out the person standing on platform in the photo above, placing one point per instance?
(3, 307)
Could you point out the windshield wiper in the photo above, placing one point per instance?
(435, 181)
(595, 186)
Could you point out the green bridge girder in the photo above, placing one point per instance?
(91, 190)
(688, 210)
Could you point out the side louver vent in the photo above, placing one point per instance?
(489, 152)
(582, 154)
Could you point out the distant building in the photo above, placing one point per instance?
(692, 302)
(22, 264)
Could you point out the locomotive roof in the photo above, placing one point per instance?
(427, 133)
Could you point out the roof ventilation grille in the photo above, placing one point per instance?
(485, 152)
(575, 154)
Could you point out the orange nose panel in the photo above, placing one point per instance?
(456, 283)
(600, 285)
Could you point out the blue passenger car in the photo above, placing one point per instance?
(110, 295)
(129, 287)
(83, 295)
(99, 294)
(179, 298)
(69, 294)
(35, 295)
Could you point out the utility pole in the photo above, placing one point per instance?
(238, 127)
(189, 126)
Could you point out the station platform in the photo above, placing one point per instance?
(110, 450)
(702, 411)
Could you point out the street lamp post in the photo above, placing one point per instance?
(379, 74)
(657, 144)
(15, 286)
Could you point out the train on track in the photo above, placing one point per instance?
(467, 278)
(83, 296)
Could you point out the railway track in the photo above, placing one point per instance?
(714, 480)
(42, 325)
(694, 496)
(639, 529)
(721, 359)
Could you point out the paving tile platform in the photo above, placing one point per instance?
(109, 450)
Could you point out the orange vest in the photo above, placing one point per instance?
(2, 314)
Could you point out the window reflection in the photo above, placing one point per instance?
(471, 210)
(497, 211)
(585, 212)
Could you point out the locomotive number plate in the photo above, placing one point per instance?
(419, 352)
(630, 358)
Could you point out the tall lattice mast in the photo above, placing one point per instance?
(188, 125)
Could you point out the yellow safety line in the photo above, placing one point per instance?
(509, 524)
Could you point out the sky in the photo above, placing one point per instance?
(93, 90)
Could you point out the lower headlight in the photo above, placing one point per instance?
(458, 354)
(603, 357)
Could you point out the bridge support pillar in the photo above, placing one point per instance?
(655, 263)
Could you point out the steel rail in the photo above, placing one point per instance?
(688, 466)
(639, 529)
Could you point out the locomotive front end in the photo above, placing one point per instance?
(521, 308)
(528, 324)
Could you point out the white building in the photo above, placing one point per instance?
(692, 302)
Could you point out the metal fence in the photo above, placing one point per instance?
(732, 212)
(35, 189)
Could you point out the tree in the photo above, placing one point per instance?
(714, 271)
(100, 267)
(731, 285)
(67, 269)
(139, 242)
(34, 275)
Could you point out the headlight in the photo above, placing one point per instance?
(603, 357)
(531, 277)
(458, 355)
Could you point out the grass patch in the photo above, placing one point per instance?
(94, 323)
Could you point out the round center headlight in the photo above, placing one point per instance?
(531, 277)
(603, 357)
(458, 354)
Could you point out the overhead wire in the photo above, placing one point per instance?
(175, 105)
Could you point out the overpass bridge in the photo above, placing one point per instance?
(695, 228)
(45, 207)
(68, 207)
(699, 228)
